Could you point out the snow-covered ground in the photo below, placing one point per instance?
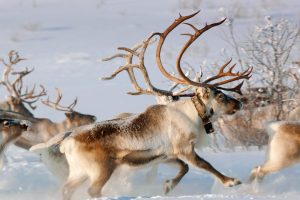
(65, 40)
(26, 178)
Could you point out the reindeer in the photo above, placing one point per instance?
(162, 96)
(162, 133)
(283, 148)
(246, 127)
(42, 129)
(73, 118)
(10, 130)
(50, 155)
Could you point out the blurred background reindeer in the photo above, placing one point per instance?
(41, 129)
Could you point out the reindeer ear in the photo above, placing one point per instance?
(68, 115)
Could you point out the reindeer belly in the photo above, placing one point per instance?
(142, 157)
(157, 141)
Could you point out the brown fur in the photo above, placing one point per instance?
(136, 128)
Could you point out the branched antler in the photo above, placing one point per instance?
(56, 104)
(192, 37)
(138, 51)
(15, 87)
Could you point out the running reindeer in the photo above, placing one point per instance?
(73, 118)
(162, 133)
(283, 148)
(162, 96)
(50, 155)
(42, 129)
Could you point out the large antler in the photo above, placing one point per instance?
(15, 88)
(56, 104)
(184, 79)
(138, 51)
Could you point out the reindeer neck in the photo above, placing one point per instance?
(187, 107)
(196, 110)
(62, 126)
(204, 113)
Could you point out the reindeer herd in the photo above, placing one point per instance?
(79, 149)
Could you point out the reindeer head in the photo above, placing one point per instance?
(218, 102)
(10, 130)
(73, 118)
(207, 92)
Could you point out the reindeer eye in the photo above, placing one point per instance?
(221, 96)
(6, 123)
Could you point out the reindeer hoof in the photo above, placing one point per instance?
(168, 186)
(232, 182)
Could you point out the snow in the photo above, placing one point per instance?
(64, 40)
(25, 177)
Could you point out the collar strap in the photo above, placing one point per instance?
(200, 107)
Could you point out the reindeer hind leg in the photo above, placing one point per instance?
(71, 185)
(99, 180)
(171, 184)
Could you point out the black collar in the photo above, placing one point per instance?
(201, 109)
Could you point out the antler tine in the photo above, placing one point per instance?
(243, 75)
(72, 105)
(236, 89)
(138, 51)
(163, 36)
(198, 32)
(13, 59)
(18, 82)
(128, 65)
(56, 104)
(31, 95)
(222, 73)
(237, 75)
(121, 55)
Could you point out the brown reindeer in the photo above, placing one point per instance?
(73, 118)
(50, 155)
(40, 131)
(43, 128)
(162, 133)
(283, 148)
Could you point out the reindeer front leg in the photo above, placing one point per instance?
(192, 158)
